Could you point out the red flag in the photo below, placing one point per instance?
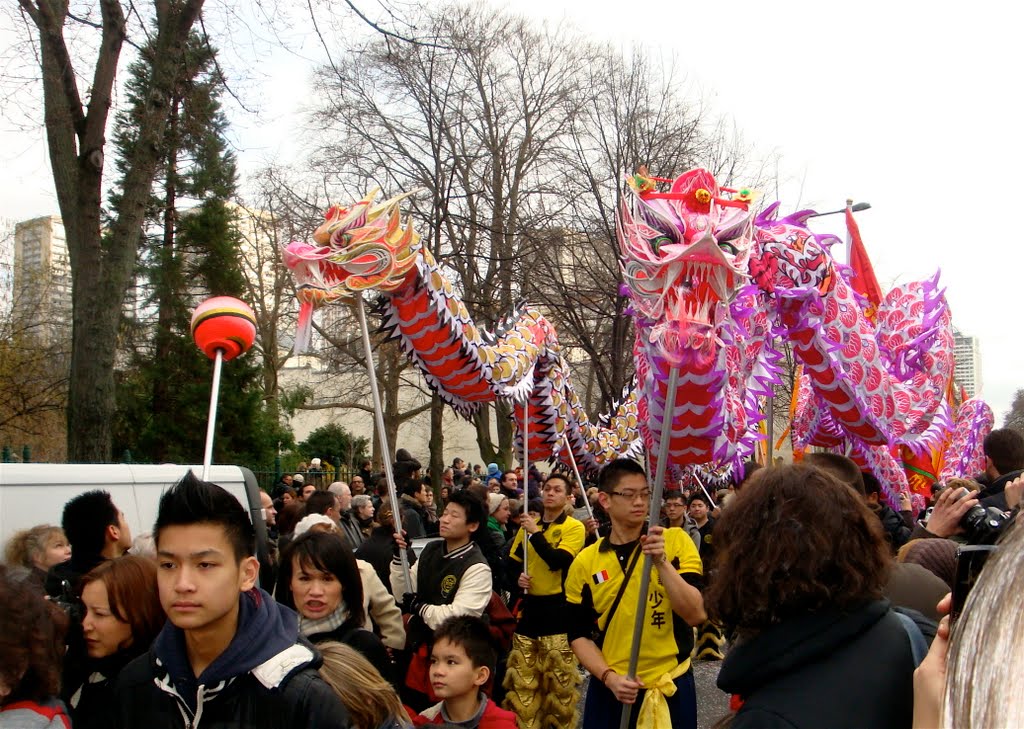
(864, 281)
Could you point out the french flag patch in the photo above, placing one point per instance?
(600, 577)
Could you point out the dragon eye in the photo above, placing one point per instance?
(728, 248)
(661, 240)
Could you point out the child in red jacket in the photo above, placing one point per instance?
(461, 662)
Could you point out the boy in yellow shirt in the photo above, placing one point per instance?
(603, 588)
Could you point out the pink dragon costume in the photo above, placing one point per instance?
(711, 289)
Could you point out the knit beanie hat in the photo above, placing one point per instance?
(935, 555)
(309, 521)
(494, 502)
(298, 478)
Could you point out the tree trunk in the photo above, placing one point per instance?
(436, 442)
(101, 266)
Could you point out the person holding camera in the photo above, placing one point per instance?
(1004, 461)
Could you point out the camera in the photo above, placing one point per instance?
(983, 525)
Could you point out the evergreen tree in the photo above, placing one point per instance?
(186, 256)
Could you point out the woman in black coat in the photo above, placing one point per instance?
(123, 616)
(327, 592)
(800, 568)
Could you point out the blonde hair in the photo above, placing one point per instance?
(984, 686)
(26, 545)
(369, 698)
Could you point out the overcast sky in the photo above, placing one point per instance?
(912, 107)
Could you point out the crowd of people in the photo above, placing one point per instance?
(500, 598)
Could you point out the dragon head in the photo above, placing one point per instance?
(683, 255)
(359, 247)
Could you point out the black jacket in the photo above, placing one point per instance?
(379, 549)
(830, 669)
(995, 493)
(368, 645)
(264, 678)
(896, 530)
(414, 518)
(90, 701)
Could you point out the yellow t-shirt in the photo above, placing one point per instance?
(598, 568)
(563, 533)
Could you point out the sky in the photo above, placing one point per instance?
(913, 107)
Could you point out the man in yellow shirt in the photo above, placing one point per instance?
(603, 589)
(543, 675)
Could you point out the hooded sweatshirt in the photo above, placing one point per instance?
(47, 714)
(836, 669)
(261, 665)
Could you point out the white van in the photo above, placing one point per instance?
(35, 493)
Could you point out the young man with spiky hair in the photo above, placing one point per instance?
(603, 592)
(229, 655)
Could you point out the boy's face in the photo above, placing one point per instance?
(199, 576)
(453, 523)
(699, 510)
(628, 501)
(452, 674)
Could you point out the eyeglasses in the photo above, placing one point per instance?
(632, 495)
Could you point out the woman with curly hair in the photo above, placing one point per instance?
(801, 566)
(31, 648)
(123, 616)
(38, 549)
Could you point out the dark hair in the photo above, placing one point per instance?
(411, 486)
(326, 552)
(749, 469)
(843, 468)
(1004, 446)
(698, 496)
(795, 541)
(133, 595)
(31, 640)
(674, 494)
(85, 521)
(473, 636)
(478, 490)
(319, 502)
(473, 507)
(611, 474)
(564, 478)
(871, 484)
(289, 516)
(193, 501)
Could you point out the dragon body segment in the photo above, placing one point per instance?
(711, 290)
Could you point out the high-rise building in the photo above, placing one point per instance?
(967, 357)
(42, 276)
(6, 265)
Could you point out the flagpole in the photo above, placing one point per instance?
(849, 237)
(526, 478)
(655, 509)
(382, 436)
(579, 479)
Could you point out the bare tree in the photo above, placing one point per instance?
(76, 124)
(35, 349)
(473, 119)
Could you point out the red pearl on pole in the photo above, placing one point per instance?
(223, 323)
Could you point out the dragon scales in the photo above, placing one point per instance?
(711, 290)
